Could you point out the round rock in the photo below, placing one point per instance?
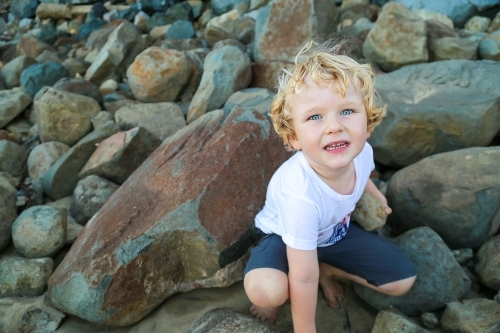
(20, 277)
(488, 263)
(43, 156)
(90, 195)
(11, 72)
(40, 231)
(37, 76)
(181, 29)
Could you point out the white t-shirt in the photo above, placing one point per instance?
(304, 210)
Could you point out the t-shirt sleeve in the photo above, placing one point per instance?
(299, 220)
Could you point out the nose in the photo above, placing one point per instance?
(334, 124)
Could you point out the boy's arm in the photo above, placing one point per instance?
(373, 190)
(303, 278)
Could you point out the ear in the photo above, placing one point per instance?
(368, 134)
(294, 142)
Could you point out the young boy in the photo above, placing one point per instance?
(325, 110)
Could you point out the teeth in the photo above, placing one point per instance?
(336, 146)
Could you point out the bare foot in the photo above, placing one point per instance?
(263, 314)
(332, 291)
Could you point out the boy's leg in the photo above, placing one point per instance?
(367, 259)
(266, 277)
(267, 289)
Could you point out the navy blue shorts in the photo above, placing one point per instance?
(360, 252)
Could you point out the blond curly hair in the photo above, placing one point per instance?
(328, 68)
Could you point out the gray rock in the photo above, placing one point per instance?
(420, 100)
(8, 214)
(13, 158)
(450, 48)
(430, 15)
(90, 195)
(225, 320)
(495, 23)
(395, 322)
(101, 118)
(369, 212)
(31, 46)
(31, 314)
(488, 263)
(13, 103)
(259, 99)
(220, 7)
(49, 56)
(36, 76)
(458, 10)
(160, 119)
(429, 320)
(440, 279)
(12, 70)
(181, 29)
(123, 45)
(76, 66)
(478, 24)
(79, 86)
(233, 24)
(461, 207)
(471, 316)
(393, 48)
(463, 256)
(61, 179)
(302, 22)
(437, 29)
(64, 117)
(40, 231)
(118, 156)
(159, 75)
(19, 130)
(21, 277)
(179, 11)
(489, 47)
(197, 57)
(8, 182)
(43, 156)
(227, 64)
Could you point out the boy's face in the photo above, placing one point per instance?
(329, 129)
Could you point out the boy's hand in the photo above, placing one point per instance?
(388, 210)
(373, 190)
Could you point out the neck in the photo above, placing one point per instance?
(341, 181)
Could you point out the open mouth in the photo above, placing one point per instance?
(336, 145)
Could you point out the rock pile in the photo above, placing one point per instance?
(135, 151)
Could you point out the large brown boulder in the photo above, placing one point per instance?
(181, 221)
(282, 27)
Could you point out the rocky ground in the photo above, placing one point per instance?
(135, 150)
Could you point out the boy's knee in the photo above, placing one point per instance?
(266, 291)
(398, 288)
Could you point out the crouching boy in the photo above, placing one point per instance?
(325, 110)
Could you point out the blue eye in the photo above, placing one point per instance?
(346, 112)
(315, 117)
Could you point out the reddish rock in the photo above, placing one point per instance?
(181, 218)
(283, 27)
(159, 75)
(265, 74)
(31, 46)
(119, 155)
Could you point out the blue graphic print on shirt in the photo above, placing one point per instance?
(339, 230)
